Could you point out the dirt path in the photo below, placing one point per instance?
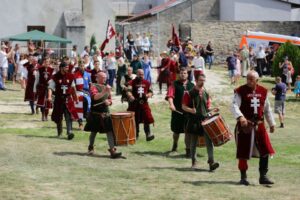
(11, 101)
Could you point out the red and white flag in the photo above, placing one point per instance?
(175, 37)
(110, 32)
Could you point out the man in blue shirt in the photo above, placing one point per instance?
(279, 91)
(231, 64)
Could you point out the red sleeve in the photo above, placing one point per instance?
(186, 100)
(93, 91)
(170, 92)
(208, 103)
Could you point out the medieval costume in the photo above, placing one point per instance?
(29, 94)
(200, 100)
(178, 122)
(139, 89)
(124, 85)
(42, 77)
(253, 140)
(82, 83)
(99, 119)
(63, 86)
(167, 74)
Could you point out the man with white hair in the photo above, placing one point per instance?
(250, 107)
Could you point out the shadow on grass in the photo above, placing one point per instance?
(42, 136)
(83, 154)
(168, 154)
(199, 183)
(292, 100)
(181, 169)
(13, 104)
(271, 81)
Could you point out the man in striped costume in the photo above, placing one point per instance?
(82, 83)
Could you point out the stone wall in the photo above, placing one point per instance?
(160, 25)
(226, 36)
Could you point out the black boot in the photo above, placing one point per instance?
(187, 153)
(263, 170)
(147, 130)
(59, 129)
(213, 166)
(114, 154)
(174, 147)
(91, 150)
(194, 164)
(70, 136)
(243, 180)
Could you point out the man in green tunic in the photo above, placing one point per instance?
(99, 119)
(174, 97)
(197, 104)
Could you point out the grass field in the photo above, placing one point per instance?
(34, 164)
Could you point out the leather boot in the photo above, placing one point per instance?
(114, 154)
(263, 170)
(243, 180)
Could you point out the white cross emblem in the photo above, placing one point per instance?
(140, 91)
(64, 88)
(46, 75)
(255, 104)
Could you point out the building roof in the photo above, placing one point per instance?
(291, 1)
(155, 10)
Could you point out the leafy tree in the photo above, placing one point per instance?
(293, 53)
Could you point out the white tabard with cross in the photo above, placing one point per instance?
(64, 88)
(255, 104)
(46, 75)
(140, 91)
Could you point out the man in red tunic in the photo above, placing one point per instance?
(168, 69)
(42, 77)
(138, 94)
(31, 67)
(250, 106)
(63, 86)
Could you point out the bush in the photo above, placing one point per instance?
(290, 50)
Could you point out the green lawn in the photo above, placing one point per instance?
(34, 164)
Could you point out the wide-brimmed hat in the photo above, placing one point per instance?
(164, 53)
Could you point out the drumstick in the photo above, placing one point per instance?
(97, 104)
(178, 112)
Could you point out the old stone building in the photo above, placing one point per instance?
(201, 20)
(76, 20)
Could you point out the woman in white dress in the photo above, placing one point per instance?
(22, 71)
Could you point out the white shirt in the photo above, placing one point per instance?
(138, 41)
(235, 109)
(112, 63)
(145, 44)
(261, 54)
(199, 63)
(100, 63)
(83, 54)
(3, 59)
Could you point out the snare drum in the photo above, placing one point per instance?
(124, 128)
(217, 130)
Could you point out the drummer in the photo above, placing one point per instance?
(99, 119)
(197, 104)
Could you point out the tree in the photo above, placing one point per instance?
(93, 42)
(293, 53)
